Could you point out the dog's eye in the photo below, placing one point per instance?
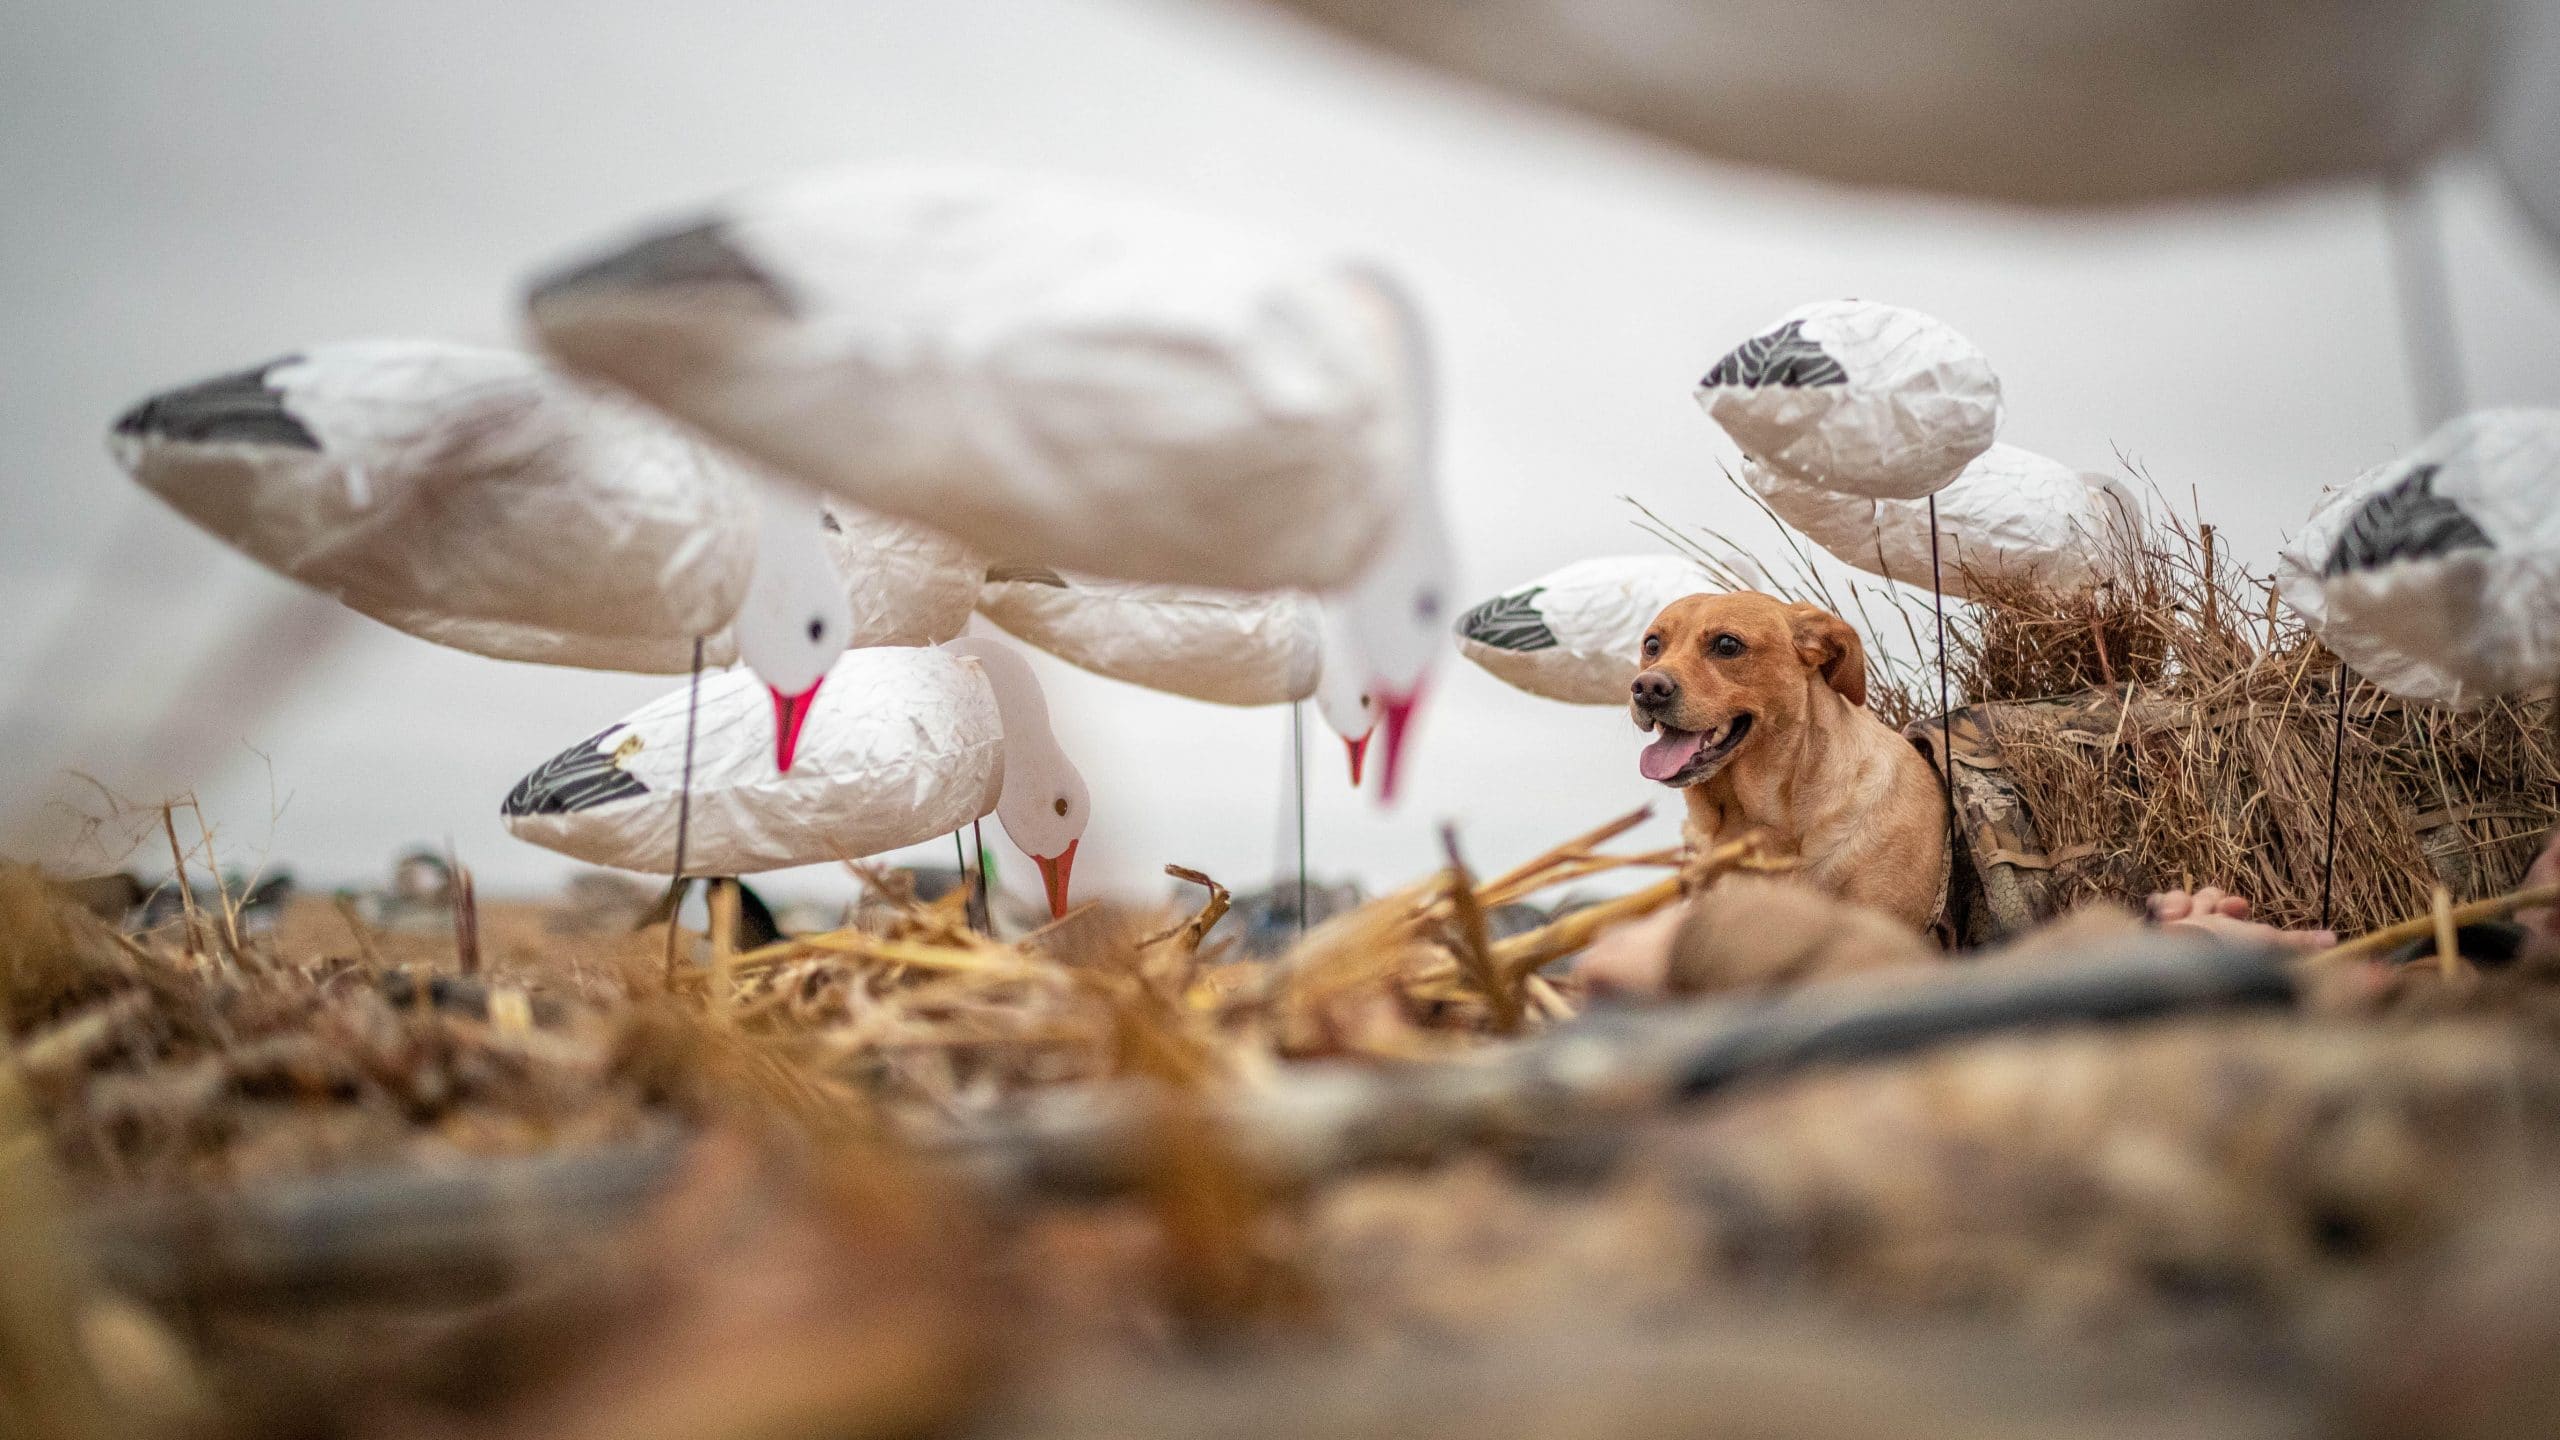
(1652, 646)
(1725, 647)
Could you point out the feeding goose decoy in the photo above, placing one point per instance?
(1572, 635)
(1043, 804)
(1052, 373)
(2437, 574)
(2011, 517)
(479, 499)
(900, 746)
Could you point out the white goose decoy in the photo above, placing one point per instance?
(1227, 647)
(2437, 574)
(1858, 398)
(902, 745)
(471, 497)
(1043, 804)
(2011, 516)
(1573, 634)
(479, 499)
(1052, 373)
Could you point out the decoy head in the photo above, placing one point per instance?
(1398, 615)
(1044, 804)
(1343, 696)
(1043, 810)
(795, 620)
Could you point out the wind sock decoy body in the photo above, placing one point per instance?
(900, 746)
(1227, 647)
(2012, 517)
(1573, 635)
(2437, 575)
(1052, 373)
(468, 496)
(1857, 398)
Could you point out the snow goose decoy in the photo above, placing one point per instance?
(1043, 805)
(479, 499)
(2012, 516)
(471, 497)
(901, 745)
(1053, 374)
(1572, 635)
(1858, 398)
(2437, 574)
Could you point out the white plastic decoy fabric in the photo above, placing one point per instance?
(910, 584)
(2437, 575)
(1865, 399)
(468, 496)
(901, 745)
(2012, 515)
(1573, 635)
(1052, 373)
(1228, 647)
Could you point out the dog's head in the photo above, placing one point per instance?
(1721, 669)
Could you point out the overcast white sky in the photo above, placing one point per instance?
(191, 187)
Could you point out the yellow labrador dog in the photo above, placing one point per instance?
(1758, 711)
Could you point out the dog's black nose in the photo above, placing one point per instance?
(1653, 689)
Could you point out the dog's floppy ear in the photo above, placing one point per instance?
(1825, 642)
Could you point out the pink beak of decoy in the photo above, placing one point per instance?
(790, 712)
(1054, 870)
(1359, 755)
(1395, 716)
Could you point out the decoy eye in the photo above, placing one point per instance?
(1725, 647)
(1061, 806)
(1426, 606)
(817, 631)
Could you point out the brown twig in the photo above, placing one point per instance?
(186, 888)
(1475, 944)
(2365, 947)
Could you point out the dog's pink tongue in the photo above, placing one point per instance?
(1672, 749)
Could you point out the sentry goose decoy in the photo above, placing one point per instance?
(2437, 574)
(900, 746)
(1857, 397)
(2011, 517)
(1052, 373)
(468, 496)
(1043, 804)
(1227, 647)
(1572, 635)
